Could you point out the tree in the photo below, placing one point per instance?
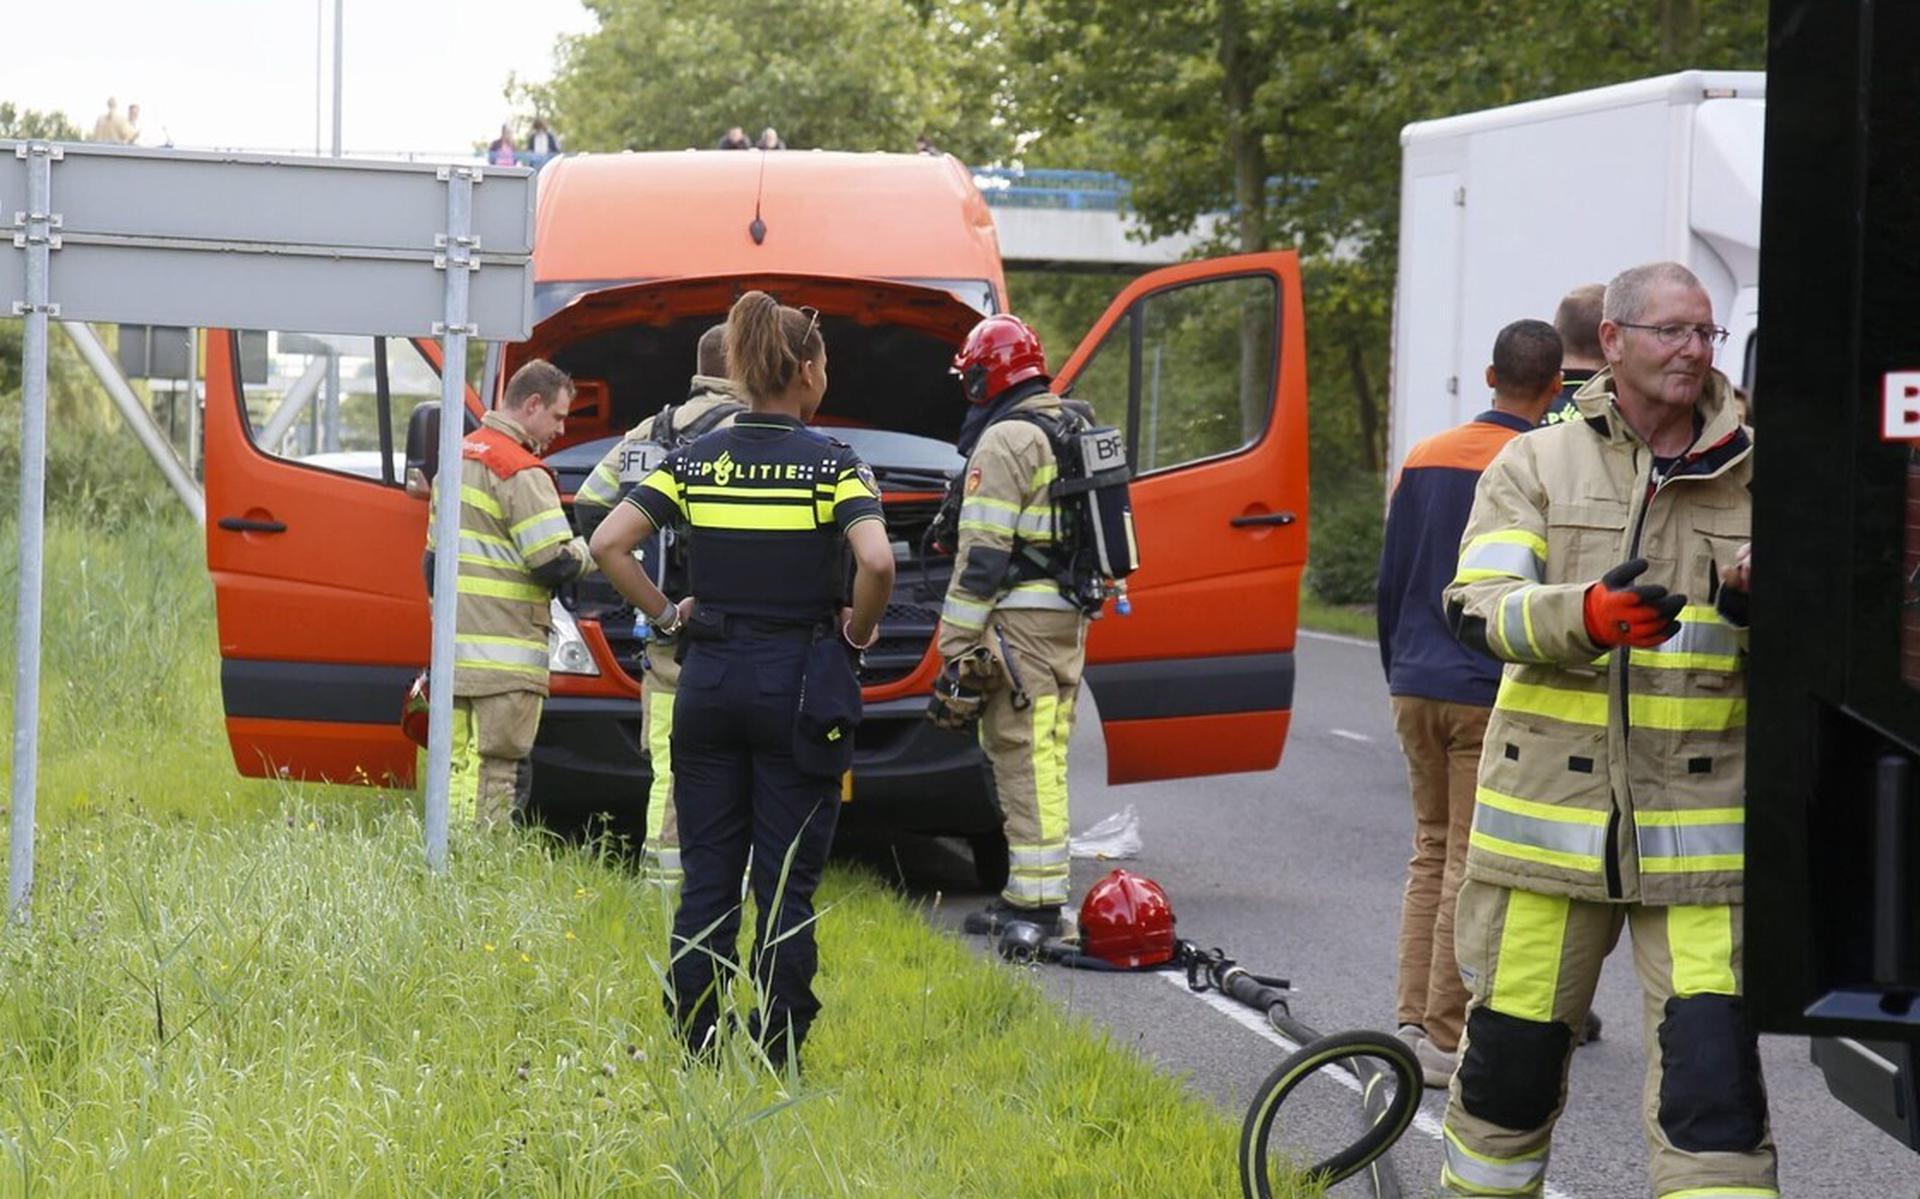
(27, 123)
(836, 74)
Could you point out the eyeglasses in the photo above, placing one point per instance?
(1677, 334)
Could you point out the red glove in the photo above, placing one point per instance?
(1642, 616)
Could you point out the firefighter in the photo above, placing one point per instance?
(1605, 562)
(516, 549)
(1013, 645)
(710, 404)
(768, 699)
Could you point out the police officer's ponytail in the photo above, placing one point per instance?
(766, 343)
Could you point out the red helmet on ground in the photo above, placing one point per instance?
(1126, 920)
(413, 711)
(999, 352)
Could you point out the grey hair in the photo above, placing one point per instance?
(1626, 297)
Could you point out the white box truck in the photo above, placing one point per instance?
(1502, 212)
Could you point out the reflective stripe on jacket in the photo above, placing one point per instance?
(1005, 508)
(515, 549)
(602, 488)
(1616, 775)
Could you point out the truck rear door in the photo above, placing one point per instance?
(1203, 366)
(315, 550)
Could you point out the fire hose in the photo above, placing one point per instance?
(1389, 1076)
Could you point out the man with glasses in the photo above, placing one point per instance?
(1606, 563)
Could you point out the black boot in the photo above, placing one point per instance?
(998, 914)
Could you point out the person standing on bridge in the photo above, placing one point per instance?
(711, 404)
(1442, 691)
(1606, 563)
(516, 550)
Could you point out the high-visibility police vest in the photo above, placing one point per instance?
(1616, 775)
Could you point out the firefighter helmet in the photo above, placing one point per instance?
(1126, 920)
(413, 711)
(999, 352)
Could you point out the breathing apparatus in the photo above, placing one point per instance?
(1127, 926)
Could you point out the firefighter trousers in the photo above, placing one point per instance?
(493, 756)
(1024, 727)
(663, 827)
(1441, 742)
(1532, 961)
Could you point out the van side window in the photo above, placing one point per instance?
(1189, 372)
(339, 403)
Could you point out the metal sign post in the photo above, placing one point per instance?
(162, 237)
(34, 235)
(458, 263)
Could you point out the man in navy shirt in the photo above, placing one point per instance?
(1442, 691)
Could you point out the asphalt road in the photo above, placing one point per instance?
(1298, 872)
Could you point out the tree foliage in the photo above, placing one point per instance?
(25, 123)
(836, 74)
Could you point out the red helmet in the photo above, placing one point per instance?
(413, 711)
(999, 352)
(1126, 920)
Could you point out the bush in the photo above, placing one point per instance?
(1343, 556)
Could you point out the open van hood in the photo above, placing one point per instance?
(889, 345)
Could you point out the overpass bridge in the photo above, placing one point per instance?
(1075, 220)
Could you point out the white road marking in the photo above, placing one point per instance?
(1316, 635)
(1350, 735)
(1257, 1024)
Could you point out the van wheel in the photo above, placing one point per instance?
(989, 859)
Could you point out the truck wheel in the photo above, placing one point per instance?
(989, 859)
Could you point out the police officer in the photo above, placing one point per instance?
(1012, 641)
(710, 404)
(768, 697)
(516, 549)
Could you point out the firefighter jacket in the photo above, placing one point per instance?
(1614, 775)
(603, 487)
(1008, 525)
(516, 549)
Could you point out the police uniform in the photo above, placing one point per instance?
(1021, 617)
(516, 549)
(767, 504)
(710, 404)
(1611, 795)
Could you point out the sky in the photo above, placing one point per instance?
(418, 75)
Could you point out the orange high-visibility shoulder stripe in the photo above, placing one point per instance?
(1468, 447)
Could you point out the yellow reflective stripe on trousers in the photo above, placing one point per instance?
(1748, 1192)
(964, 613)
(1506, 554)
(532, 593)
(1482, 1174)
(660, 750)
(1526, 973)
(516, 655)
(1700, 942)
(1704, 642)
(1552, 835)
(1700, 839)
(481, 500)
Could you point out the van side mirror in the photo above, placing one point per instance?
(423, 444)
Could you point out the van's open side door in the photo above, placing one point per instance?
(1203, 366)
(315, 551)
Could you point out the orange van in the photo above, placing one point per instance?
(314, 544)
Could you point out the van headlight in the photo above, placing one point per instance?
(567, 651)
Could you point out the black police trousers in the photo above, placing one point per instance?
(743, 807)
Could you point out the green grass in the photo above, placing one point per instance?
(1351, 620)
(233, 987)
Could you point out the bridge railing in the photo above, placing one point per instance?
(1088, 191)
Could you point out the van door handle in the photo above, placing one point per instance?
(246, 524)
(1264, 518)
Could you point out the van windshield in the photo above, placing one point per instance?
(549, 298)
